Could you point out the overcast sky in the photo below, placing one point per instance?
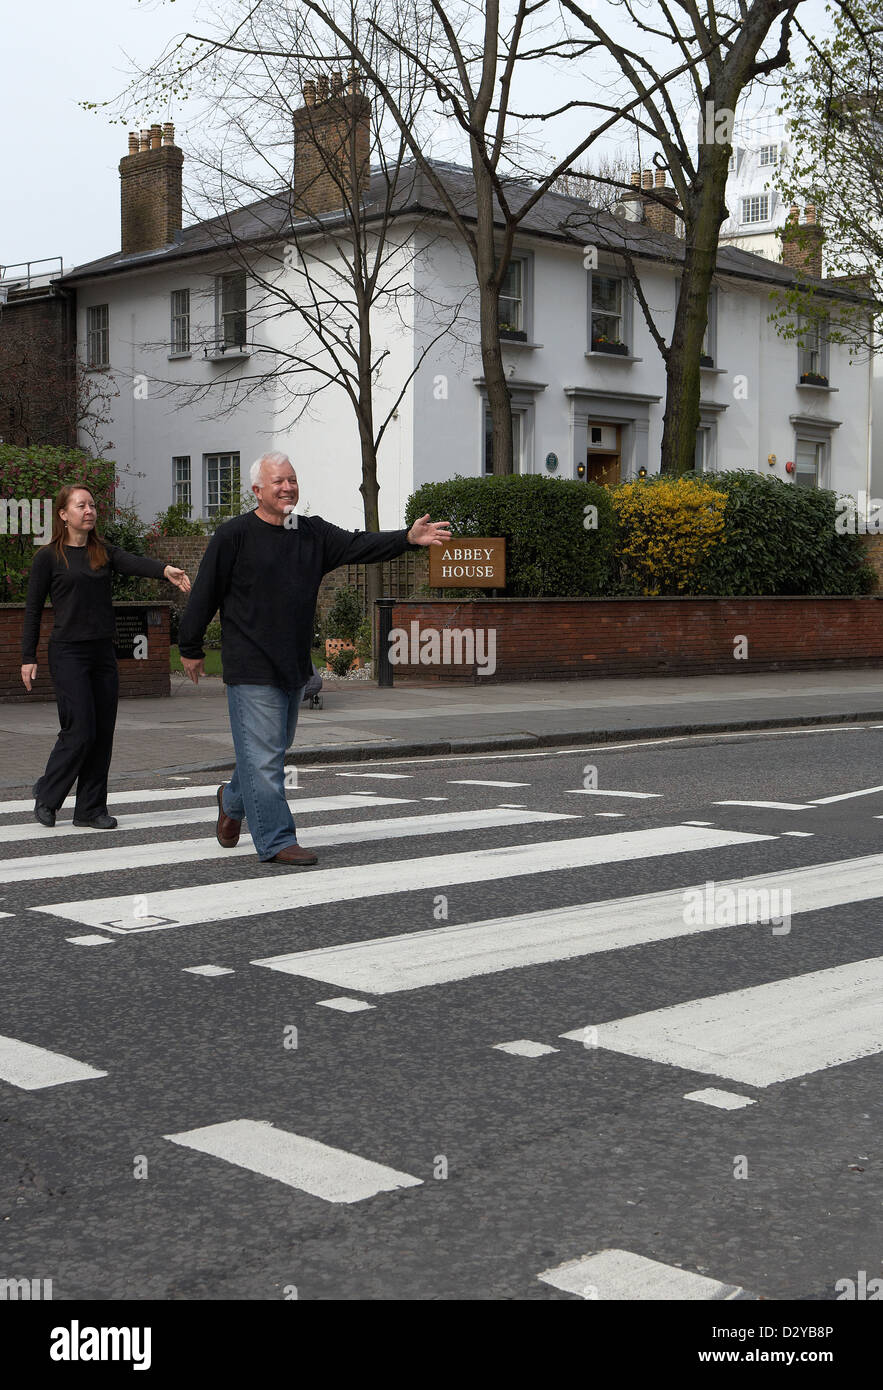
(59, 163)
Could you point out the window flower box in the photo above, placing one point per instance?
(610, 345)
(515, 335)
(706, 360)
(813, 379)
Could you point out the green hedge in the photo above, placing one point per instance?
(549, 550)
(778, 538)
(781, 539)
(37, 472)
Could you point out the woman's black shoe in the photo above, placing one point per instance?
(102, 822)
(44, 814)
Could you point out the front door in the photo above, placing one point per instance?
(603, 454)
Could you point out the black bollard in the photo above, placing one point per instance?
(384, 621)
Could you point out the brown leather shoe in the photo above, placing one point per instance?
(227, 829)
(294, 854)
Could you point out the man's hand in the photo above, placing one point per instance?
(426, 532)
(29, 675)
(177, 577)
(193, 667)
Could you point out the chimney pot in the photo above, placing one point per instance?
(811, 213)
(309, 93)
(168, 133)
(155, 136)
(660, 178)
(636, 179)
(794, 214)
(323, 87)
(336, 83)
(133, 142)
(145, 140)
(352, 81)
(647, 180)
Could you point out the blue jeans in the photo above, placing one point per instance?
(263, 719)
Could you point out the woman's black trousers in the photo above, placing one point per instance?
(86, 680)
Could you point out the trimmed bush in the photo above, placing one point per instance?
(781, 539)
(667, 530)
(344, 617)
(550, 551)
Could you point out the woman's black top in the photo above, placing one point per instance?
(81, 597)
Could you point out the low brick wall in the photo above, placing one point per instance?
(554, 639)
(147, 677)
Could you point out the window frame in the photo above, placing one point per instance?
(625, 314)
(187, 482)
(222, 282)
(820, 346)
(766, 163)
(524, 331)
(212, 508)
(759, 198)
(98, 336)
(179, 341)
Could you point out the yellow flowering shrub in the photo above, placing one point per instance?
(667, 527)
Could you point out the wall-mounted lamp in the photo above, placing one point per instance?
(642, 472)
(581, 470)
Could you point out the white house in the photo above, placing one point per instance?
(587, 381)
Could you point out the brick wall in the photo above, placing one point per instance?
(150, 191)
(332, 132)
(558, 638)
(37, 369)
(147, 677)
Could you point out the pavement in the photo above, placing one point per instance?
(190, 731)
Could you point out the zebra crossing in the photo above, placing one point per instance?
(760, 1036)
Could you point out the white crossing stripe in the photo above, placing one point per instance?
(283, 891)
(89, 940)
(32, 1068)
(138, 796)
(764, 1034)
(596, 791)
(721, 1100)
(478, 782)
(415, 960)
(332, 1174)
(523, 1047)
(208, 970)
(622, 1275)
(193, 815)
(345, 1004)
(770, 805)
(380, 776)
(128, 857)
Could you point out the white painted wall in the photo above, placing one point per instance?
(438, 432)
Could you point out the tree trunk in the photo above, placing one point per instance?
(485, 256)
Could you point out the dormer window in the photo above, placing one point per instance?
(769, 154)
(756, 208)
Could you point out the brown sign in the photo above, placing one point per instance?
(469, 562)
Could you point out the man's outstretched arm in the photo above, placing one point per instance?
(367, 547)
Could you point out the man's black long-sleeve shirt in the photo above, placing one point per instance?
(265, 581)
(81, 597)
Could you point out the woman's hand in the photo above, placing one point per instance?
(178, 578)
(29, 674)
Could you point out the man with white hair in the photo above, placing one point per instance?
(263, 570)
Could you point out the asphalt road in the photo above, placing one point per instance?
(395, 1151)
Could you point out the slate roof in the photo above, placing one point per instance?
(555, 216)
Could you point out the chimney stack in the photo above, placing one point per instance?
(150, 189)
(802, 243)
(330, 130)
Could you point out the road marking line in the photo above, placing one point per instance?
(440, 955)
(770, 805)
(622, 1275)
(523, 1047)
(151, 820)
(345, 1004)
(156, 853)
(594, 791)
(845, 796)
(323, 1171)
(479, 782)
(722, 1100)
(250, 897)
(761, 1035)
(90, 940)
(208, 970)
(33, 1068)
(381, 776)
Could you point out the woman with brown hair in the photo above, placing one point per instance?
(74, 569)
